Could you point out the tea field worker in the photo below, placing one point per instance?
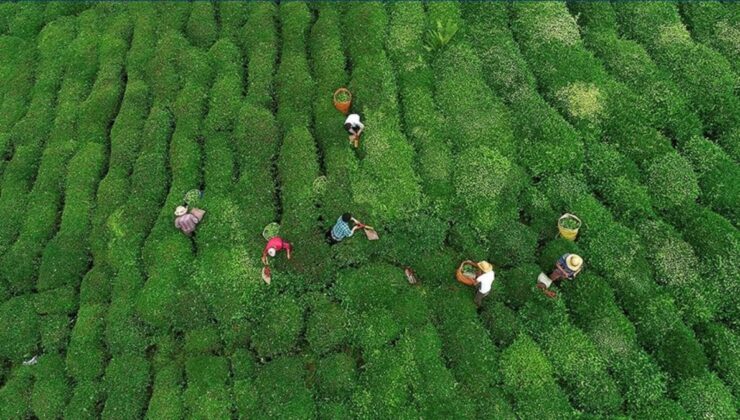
(274, 246)
(484, 282)
(341, 229)
(186, 220)
(354, 127)
(567, 267)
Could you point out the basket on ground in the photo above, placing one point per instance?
(342, 100)
(568, 225)
(270, 231)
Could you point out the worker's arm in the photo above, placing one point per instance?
(264, 257)
(287, 250)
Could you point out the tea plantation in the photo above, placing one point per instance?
(484, 122)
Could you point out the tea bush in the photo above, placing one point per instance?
(620, 114)
(166, 398)
(336, 376)
(277, 330)
(126, 379)
(326, 326)
(206, 394)
(701, 72)
(20, 331)
(50, 389)
(271, 383)
(706, 396)
(527, 377)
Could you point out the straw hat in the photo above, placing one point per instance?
(180, 210)
(574, 262)
(485, 266)
(271, 252)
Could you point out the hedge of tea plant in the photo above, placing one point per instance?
(474, 146)
(705, 75)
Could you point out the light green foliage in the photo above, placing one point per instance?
(672, 182)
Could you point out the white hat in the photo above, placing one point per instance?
(271, 252)
(574, 262)
(180, 210)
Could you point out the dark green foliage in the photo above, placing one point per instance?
(722, 346)
(487, 185)
(55, 332)
(423, 123)
(706, 396)
(126, 381)
(15, 395)
(166, 399)
(473, 359)
(582, 370)
(258, 33)
(474, 117)
(335, 376)
(502, 324)
(271, 382)
(85, 400)
(663, 409)
(58, 301)
(85, 353)
(276, 332)
(677, 266)
(202, 341)
(515, 287)
(64, 260)
(201, 27)
(19, 329)
(325, 326)
(51, 389)
(206, 395)
(527, 378)
(716, 173)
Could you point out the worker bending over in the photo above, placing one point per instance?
(275, 245)
(341, 229)
(186, 220)
(354, 127)
(483, 282)
(567, 267)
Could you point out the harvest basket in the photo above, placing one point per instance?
(467, 272)
(270, 231)
(342, 100)
(568, 225)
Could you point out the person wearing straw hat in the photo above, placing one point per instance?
(567, 267)
(186, 220)
(483, 282)
(354, 127)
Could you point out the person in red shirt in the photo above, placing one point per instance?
(273, 246)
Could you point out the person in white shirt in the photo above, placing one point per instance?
(354, 127)
(484, 282)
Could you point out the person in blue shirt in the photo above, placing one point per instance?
(342, 230)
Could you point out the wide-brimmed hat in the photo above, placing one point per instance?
(574, 262)
(181, 210)
(485, 266)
